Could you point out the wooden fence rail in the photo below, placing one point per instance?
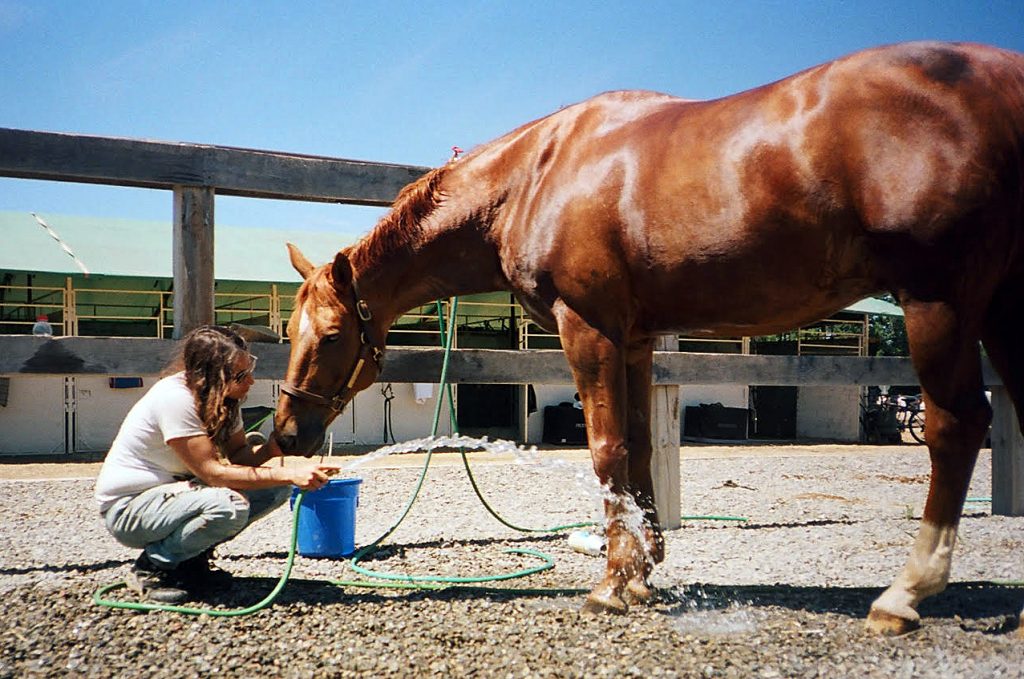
(25, 354)
(229, 171)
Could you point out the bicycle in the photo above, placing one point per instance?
(910, 414)
(885, 417)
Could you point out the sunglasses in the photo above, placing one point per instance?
(242, 374)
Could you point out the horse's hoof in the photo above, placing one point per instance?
(889, 625)
(602, 604)
(638, 592)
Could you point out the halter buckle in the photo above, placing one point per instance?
(363, 310)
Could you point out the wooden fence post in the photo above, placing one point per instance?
(193, 258)
(665, 436)
(1007, 457)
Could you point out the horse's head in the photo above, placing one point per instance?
(335, 353)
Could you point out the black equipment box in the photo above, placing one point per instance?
(715, 421)
(564, 424)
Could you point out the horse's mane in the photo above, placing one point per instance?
(400, 227)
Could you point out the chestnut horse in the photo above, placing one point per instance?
(634, 213)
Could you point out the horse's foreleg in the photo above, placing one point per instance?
(948, 365)
(599, 368)
(641, 484)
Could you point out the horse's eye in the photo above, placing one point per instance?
(333, 337)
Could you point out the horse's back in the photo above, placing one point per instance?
(820, 186)
(927, 129)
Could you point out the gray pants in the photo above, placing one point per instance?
(177, 521)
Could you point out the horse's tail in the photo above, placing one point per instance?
(1003, 324)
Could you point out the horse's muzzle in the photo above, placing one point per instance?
(299, 440)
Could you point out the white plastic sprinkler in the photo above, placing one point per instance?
(586, 542)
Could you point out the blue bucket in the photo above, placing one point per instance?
(327, 519)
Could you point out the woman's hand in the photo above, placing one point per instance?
(310, 475)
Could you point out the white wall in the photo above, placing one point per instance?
(409, 419)
(100, 410)
(33, 420)
(831, 413)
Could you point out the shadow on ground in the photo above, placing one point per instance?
(961, 600)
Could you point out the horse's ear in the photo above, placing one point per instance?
(299, 261)
(341, 272)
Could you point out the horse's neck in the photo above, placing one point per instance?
(447, 260)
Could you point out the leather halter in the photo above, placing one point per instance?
(369, 348)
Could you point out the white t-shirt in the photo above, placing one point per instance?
(140, 458)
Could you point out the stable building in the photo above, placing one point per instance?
(112, 277)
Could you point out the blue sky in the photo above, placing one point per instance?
(398, 81)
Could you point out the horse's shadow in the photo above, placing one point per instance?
(965, 601)
(970, 602)
(984, 607)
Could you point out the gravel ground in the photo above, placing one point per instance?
(783, 594)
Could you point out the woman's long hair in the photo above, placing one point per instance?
(208, 355)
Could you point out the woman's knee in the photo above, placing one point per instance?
(266, 500)
(228, 512)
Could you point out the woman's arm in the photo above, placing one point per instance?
(200, 456)
(241, 453)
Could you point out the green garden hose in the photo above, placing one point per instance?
(406, 581)
(142, 606)
(392, 580)
(446, 342)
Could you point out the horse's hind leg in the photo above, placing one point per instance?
(947, 358)
(641, 484)
(1001, 336)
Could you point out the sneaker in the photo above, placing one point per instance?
(200, 573)
(154, 583)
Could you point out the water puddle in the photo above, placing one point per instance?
(700, 614)
(714, 623)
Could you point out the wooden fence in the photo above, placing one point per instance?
(195, 173)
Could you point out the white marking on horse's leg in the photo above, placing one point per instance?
(926, 572)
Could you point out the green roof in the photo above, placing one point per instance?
(125, 247)
(875, 307)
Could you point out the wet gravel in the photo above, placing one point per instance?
(782, 594)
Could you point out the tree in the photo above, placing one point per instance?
(889, 333)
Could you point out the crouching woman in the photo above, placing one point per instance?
(180, 477)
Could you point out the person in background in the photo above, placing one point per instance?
(180, 477)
